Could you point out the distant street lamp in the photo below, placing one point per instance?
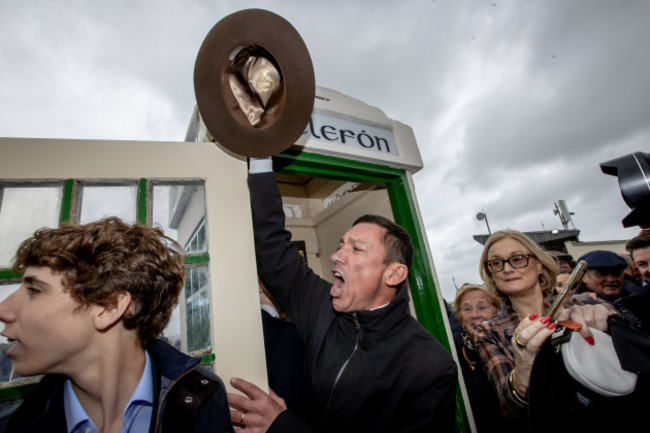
(482, 216)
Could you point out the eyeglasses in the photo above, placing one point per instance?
(517, 261)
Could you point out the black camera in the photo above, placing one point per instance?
(633, 173)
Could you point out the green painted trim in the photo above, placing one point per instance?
(462, 410)
(199, 258)
(208, 358)
(331, 167)
(421, 281)
(66, 202)
(143, 195)
(17, 391)
(8, 274)
(423, 287)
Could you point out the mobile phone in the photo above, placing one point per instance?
(569, 289)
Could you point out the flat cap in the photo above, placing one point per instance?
(603, 259)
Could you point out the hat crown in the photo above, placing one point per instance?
(603, 259)
(263, 107)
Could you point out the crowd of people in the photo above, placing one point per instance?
(504, 324)
(342, 356)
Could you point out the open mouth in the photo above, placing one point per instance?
(337, 286)
(8, 349)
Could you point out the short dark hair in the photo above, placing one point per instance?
(102, 259)
(396, 240)
(638, 242)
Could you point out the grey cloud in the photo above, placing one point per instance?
(513, 104)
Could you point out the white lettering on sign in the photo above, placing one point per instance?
(335, 129)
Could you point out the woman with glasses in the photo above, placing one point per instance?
(516, 270)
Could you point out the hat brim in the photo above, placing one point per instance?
(254, 27)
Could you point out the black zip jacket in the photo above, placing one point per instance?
(189, 398)
(365, 371)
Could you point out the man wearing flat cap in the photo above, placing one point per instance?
(604, 277)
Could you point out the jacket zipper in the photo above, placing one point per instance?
(344, 366)
(162, 400)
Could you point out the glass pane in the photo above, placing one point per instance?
(200, 238)
(191, 281)
(161, 210)
(197, 243)
(100, 201)
(197, 303)
(179, 209)
(203, 278)
(6, 364)
(24, 210)
(198, 323)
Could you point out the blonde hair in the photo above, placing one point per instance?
(548, 262)
(465, 289)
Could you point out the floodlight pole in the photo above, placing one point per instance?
(483, 216)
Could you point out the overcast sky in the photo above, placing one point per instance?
(514, 104)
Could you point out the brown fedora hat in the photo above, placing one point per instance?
(254, 83)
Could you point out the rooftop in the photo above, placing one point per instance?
(548, 239)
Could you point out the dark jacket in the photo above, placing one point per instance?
(482, 396)
(365, 371)
(189, 398)
(284, 362)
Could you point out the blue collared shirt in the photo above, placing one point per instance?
(136, 417)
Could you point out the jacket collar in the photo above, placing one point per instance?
(383, 320)
(171, 363)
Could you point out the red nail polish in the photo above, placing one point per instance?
(545, 320)
(532, 316)
(590, 340)
(551, 326)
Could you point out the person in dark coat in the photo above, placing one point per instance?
(92, 301)
(605, 278)
(370, 366)
(473, 305)
(283, 351)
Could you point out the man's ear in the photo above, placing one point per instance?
(395, 274)
(110, 315)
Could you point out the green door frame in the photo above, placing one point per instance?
(422, 284)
